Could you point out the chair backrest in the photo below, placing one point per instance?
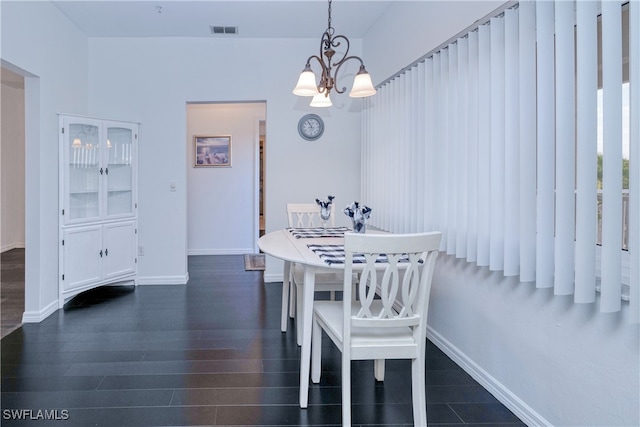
(399, 268)
(303, 215)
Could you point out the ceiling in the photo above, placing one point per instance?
(254, 18)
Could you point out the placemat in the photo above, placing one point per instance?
(334, 254)
(314, 232)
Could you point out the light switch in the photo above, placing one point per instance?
(172, 186)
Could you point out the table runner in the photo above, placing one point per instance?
(334, 254)
(315, 232)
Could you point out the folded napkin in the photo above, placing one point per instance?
(315, 232)
(334, 254)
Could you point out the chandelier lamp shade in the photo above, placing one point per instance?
(307, 83)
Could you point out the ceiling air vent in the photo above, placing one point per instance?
(216, 29)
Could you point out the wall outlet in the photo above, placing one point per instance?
(141, 250)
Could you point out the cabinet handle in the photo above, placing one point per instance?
(106, 171)
(100, 253)
(100, 171)
(106, 252)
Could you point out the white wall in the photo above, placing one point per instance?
(151, 80)
(12, 167)
(410, 29)
(221, 201)
(40, 43)
(551, 361)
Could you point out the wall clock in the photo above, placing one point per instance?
(310, 127)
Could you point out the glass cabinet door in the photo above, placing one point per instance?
(83, 178)
(120, 156)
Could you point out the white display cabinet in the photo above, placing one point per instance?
(98, 203)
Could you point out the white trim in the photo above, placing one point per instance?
(39, 316)
(497, 389)
(272, 277)
(228, 251)
(163, 280)
(10, 246)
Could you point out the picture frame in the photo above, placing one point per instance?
(212, 151)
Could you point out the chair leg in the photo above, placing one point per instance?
(378, 369)
(346, 389)
(285, 307)
(418, 392)
(316, 352)
(292, 300)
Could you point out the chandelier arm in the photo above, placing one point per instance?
(339, 64)
(325, 76)
(336, 43)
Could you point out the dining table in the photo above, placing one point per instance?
(315, 249)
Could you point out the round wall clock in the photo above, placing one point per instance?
(310, 127)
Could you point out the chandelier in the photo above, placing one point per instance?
(307, 86)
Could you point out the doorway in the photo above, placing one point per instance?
(224, 203)
(261, 174)
(12, 183)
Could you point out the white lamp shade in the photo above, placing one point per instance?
(306, 84)
(77, 142)
(320, 100)
(362, 86)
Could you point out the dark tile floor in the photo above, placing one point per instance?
(209, 353)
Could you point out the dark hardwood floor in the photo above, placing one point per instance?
(209, 353)
(11, 290)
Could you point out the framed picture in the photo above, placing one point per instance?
(212, 151)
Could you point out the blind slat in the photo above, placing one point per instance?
(496, 239)
(586, 177)
(545, 145)
(462, 150)
(527, 163)
(565, 148)
(484, 159)
(472, 175)
(611, 287)
(634, 160)
(511, 148)
(452, 149)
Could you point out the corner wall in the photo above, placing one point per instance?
(42, 45)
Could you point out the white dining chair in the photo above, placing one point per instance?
(304, 215)
(389, 318)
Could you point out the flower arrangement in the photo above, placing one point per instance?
(359, 215)
(325, 209)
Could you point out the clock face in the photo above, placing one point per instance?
(311, 127)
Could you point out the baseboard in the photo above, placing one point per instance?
(236, 251)
(5, 248)
(497, 389)
(162, 280)
(39, 316)
(271, 278)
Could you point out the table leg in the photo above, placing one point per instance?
(307, 317)
(286, 286)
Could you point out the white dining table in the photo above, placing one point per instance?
(283, 245)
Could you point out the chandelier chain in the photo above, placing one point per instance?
(307, 83)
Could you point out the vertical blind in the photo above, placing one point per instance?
(492, 139)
